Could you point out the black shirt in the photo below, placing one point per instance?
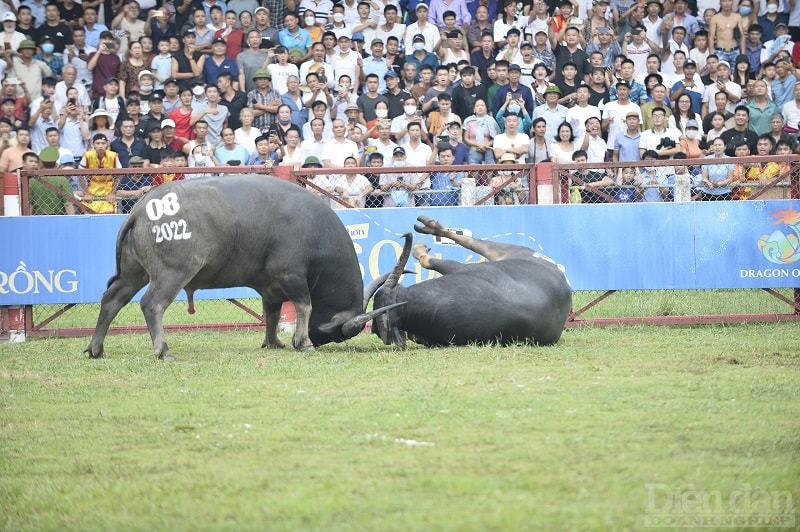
(596, 98)
(60, 34)
(579, 57)
(154, 155)
(396, 102)
(464, 99)
(732, 136)
(234, 106)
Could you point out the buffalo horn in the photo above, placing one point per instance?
(372, 287)
(394, 277)
(354, 325)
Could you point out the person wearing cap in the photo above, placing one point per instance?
(31, 70)
(55, 62)
(279, 72)
(190, 60)
(375, 64)
(420, 55)
(616, 111)
(154, 147)
(429, 32)
(780, 46)
(514, 88)
(724, 84)
(218, 62)
(689, 85)
(104, 64)
(395, 96)
(770, 20)
(553, 112)
(133, 186)
(347, 62)
(397, 190)
(626, 143)
(10, 33)
(263, 21)
(43, 199)
(293, 36)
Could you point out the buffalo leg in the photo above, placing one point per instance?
(272, 314)
(420, 252)
(118, 294)
(296, 291)
(492, 251)
(155, 301)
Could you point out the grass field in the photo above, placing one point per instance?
(613, 428)
(639, 303)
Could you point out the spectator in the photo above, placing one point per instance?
(353, 188)
(292, 36)
(43, 199)
(421, 28)
(250, 61)
(30, 70)
(511, 141)
(72, 123)
(507, 183)
(99, 191)
(55, 62)
(655, 179)
(51, 27)
(230, 152)
(155, 148)
(11, 159)
(263, 16)
(691, 141)
(127, 145)
(203, 35)
(480, 131)
(133, 186)
(234, 37)
(104, 64)
(716, 177)
(246, 135)
(267, 153)
(189, 62)
(664, 141)
(740, 131)
(553, 112)
(11, 37)
(218, 62)
(778, 133)
(761, 108)
(564, 146)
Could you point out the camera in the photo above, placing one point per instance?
(666, 142)
(73, 101)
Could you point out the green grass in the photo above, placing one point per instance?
(358, 436)
(635, 303)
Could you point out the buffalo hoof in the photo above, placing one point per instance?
(95, 352)
(420, 250)
(306, 348)
(275, 345)
(429, 227)
(168, 357)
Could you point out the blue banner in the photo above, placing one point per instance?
(745, 244)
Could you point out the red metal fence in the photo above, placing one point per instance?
(544, 183)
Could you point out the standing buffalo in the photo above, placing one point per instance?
(263, 233)
(519, 296)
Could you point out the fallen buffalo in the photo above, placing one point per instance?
(518, 296)
(263, 233)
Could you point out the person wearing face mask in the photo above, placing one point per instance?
(381, 113)
(56, 63)
(420, 55)
(338, 26)
(411, 113)
(368, 101)
(693, 144)
(515, 107)
(770, 19)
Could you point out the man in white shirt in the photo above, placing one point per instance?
(339, 148)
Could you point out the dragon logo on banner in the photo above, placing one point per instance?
(782, 247)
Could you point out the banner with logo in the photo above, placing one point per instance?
(746, 244)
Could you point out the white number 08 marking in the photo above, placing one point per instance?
(174, 230)
(165, 206)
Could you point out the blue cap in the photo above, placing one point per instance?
(390, 74)
(66, 159)
(358, 36)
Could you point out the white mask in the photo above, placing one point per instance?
(410, 109)
(201, 160)
(399, 163)
(381, 113)
(310, 21)
(338, 17)
(772, 8)
(692, 133)
(419, 46)
(198, 90)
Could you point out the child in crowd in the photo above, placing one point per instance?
(629, 179)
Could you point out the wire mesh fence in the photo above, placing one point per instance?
(61, 192)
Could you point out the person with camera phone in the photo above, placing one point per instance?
(104, 63)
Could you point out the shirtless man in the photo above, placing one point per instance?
(720, 33)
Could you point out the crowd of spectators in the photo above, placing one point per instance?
(388, 83)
